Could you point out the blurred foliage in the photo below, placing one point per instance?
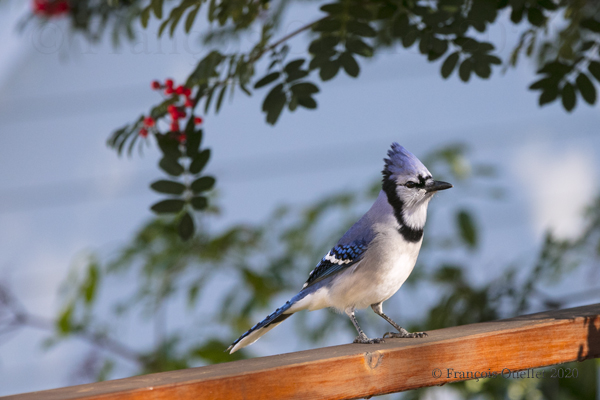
(195, 297)
(218, 282)
(564, 37)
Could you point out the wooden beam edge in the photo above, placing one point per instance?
(356, 371)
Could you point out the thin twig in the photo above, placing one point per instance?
(22, 318)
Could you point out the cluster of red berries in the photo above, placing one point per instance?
(49, 8)
(176, 112)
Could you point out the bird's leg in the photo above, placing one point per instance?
(361, 338)
(402, 333)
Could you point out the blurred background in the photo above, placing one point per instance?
(66, 198)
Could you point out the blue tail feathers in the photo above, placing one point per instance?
(274, 318)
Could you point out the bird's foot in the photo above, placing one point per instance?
(365, 340)
(404, 334)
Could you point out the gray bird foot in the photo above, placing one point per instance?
(404, 334)
(366, 340)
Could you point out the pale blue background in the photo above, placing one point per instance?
(63, 192)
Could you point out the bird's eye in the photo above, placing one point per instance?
(410, 184)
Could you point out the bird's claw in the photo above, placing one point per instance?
(404, 334)
(366, 340)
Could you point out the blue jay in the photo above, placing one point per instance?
(373, 258)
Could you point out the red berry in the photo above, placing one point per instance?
(187, 91)
(189, 103)
(144, 132)
(181, 114)
(198, 120)
(172, 109)
(179, 90)
(155, 85)
(169, 83)
(48, 8)
(62, 7)
(149, 121)
(182, 138)
(169, 90)
(175, 126)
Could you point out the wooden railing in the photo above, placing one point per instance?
(357, 371)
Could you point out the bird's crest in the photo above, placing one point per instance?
(402, 162)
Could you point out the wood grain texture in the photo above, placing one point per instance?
(358, 371)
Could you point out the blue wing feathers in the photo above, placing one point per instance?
(338, 259)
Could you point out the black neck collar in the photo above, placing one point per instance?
(389, 187)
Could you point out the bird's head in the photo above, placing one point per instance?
(407, 177)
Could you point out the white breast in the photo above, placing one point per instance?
(386, 266)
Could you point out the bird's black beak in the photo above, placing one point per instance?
(438, 185)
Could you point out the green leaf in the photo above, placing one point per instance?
(91, 283)
(425, 42)
(328, 25)
(189, 21)
(469, 45)
(220, 98)
(490, 59)
(358, 11)
(304, 88)
(400, 26)
(517, 14)
(296, 75)
(359, 47)
(332, 8)
(349, 64)
(194, 139)
(168, 146)
(549, 94)
(293, 104)
(307, 102)
(162, 27)
(293, 65)
(64, 321)
(323, 44)
(203, 184)
(586, 88)
(449, 64)
(482, 69)
(544, 83)
(467, 229)
(274, 103)
(465, 69)
(169, 206)
(157, 7)
(410, 37)
(555, 68)
(569, 98)
(591, 24)
(205, 70)
(535, 16)
(199, 203)
(168, 187)
(175, 16)
(171, 166)
(438, 49)
(199, 161)
(360, 29)
(329, 70)
(144, 17)
(161, 109)
(186, 227)
(594, 69)
(267, 79)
